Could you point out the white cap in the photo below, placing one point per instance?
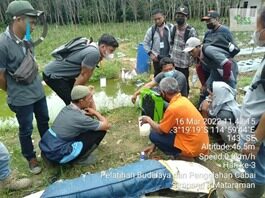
(191, 44)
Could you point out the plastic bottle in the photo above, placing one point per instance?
(231, 47)
(142, 156)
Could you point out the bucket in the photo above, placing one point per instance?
(144, 129)
(103, 82)
(142, 64)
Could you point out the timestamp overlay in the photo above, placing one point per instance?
(226, 157)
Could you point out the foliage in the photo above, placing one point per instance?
(110, 70)
(64, 12)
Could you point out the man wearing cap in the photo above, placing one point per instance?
(215, 28)
(218, 35)
(75, 134)
(181, 32)
(23, 98)
(211, 65)
(157, 39)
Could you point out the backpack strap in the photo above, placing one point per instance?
(153, 30)
(77, 63)
(261, 81)
(173, 34)
(187, 33)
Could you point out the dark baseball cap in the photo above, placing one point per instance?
(18, 8)
(182, 10)
(212, 14)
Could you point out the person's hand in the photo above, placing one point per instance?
(149, 150)
(134, 97)
(91, 89)
(203, 89)
(153, 57)
(90, 111)
(210, 96)
(145, 119)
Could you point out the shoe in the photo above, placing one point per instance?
(11, 183)
(91, 159)
(34, 166)
(47, 161)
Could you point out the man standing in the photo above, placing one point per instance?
(157, 40)
(251, 127)
(78, 67)
(216, 31)
(25, 98)
(75, 134)
(182, 131)
(181, 32)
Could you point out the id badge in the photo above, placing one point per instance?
(162, 45)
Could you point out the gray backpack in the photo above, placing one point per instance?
(71, 47)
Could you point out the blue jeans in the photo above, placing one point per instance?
(62, 87)
(4, 162)
(165, 142)
(24, 116)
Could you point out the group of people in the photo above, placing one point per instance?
(182, 132)
(175, 48)
(168, 47)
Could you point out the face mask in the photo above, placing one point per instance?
(256, 39)
(180, 21)
(210, 26)
(169, 73)
(27, 35)
(109, 56)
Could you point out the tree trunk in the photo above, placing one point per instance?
(123, 5)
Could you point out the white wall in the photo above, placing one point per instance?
(257, 3)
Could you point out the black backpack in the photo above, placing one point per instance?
(72, 46)
(186, 34)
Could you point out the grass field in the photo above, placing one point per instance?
(122, 143)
